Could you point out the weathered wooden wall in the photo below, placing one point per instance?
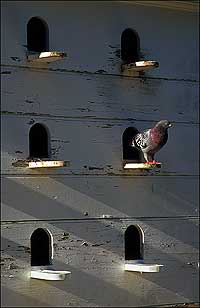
(86, 105)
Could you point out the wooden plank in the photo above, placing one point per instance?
(98, 97)
(87, 104)
(94, 253)
(95, 196)
(104, 54)
(97, 149)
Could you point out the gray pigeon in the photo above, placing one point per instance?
(152, 140)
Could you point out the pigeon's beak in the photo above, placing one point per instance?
(170, 125)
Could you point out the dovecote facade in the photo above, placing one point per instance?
(78, 78)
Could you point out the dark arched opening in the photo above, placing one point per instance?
(133, 243)
(38, 141)
(130, 152)
(130, 46)
(41, 247)
(37, 35)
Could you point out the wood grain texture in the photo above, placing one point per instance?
(95, 146)
(92, 42)
(87, 104)
(94, 252)
(71, 197)
(98, 96)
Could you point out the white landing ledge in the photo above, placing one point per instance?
(45, 57)
(140, 266)
(49, 274)
(46, 164)
(139, 66)
(41, 163)
(141, 165)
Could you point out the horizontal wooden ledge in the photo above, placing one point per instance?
(64, 70)
(123, 174)
(176, 305)
(100, 175)
(93, 219)
(141, 165)
(187, 6)
(45, 57)
(91, 118)
(31, 164)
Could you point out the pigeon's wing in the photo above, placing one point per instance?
(141, 140)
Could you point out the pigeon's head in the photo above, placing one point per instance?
(164, 124)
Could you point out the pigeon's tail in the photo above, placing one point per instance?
(134, 143)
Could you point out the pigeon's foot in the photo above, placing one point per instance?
(154, 162)
(149, 162)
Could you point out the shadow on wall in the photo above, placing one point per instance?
(11, 298)
(48, 205)
(167, 280)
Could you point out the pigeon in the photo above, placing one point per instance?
(152, 140)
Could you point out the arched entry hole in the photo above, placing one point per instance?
(37, 35)
(129, 152)
(130, 46)
(39, 141)
(134, 241)
(41, 247)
